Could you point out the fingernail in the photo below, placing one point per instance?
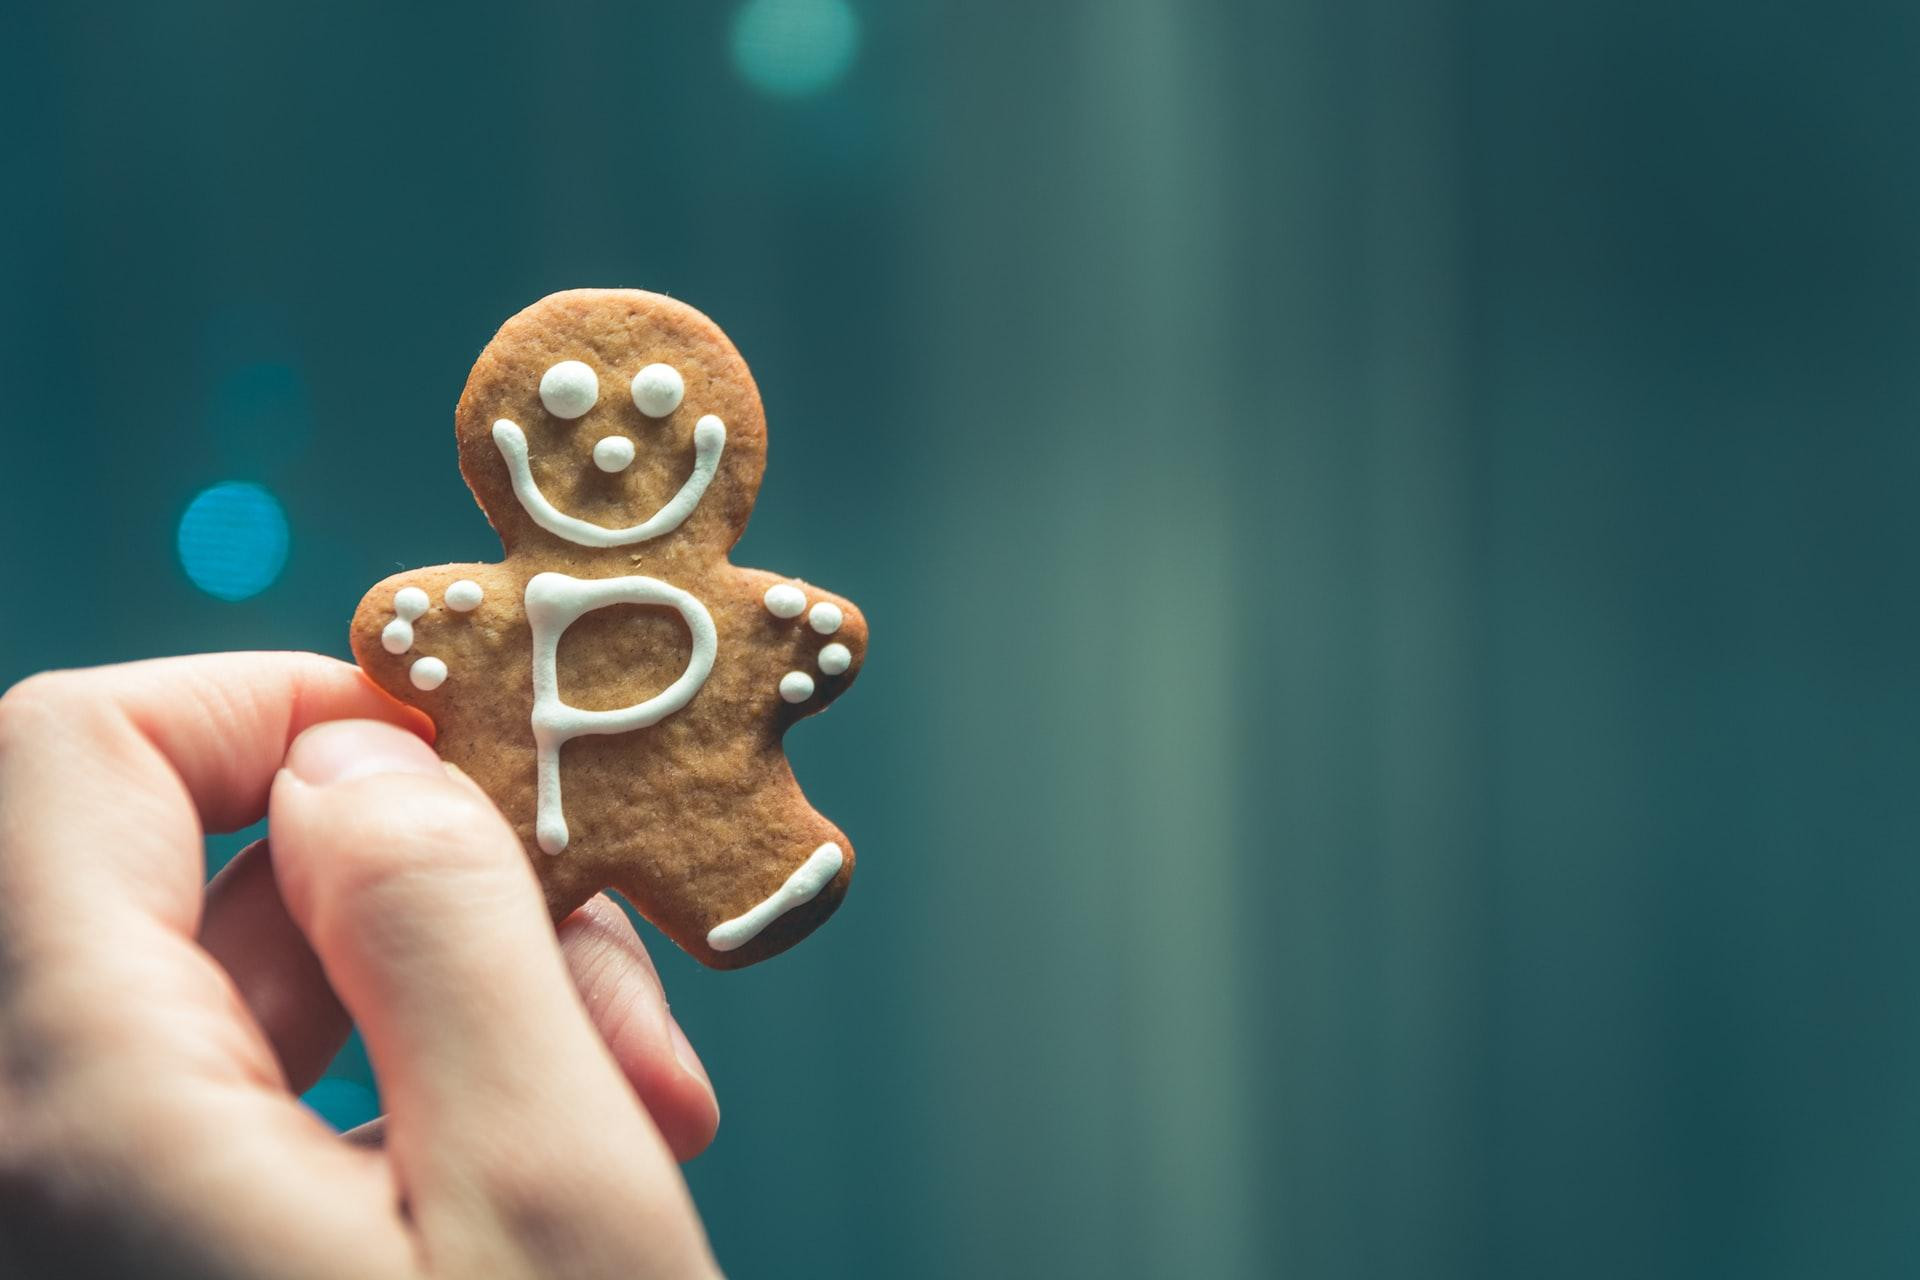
(690, 1061)
(343, 750)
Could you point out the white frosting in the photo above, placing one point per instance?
(465, 596)
(569, 389)
(835, 658)
(658, 390)
(784, 600)
(796, 686)
(408, 604)
(709, 438)
(615, 453)
(825, 618)
(428, 673)
(554, 602)
(804, 885)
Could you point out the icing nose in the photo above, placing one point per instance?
(615, 453)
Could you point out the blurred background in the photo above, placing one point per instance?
(1388, 530)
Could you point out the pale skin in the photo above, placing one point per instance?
(155, 1032)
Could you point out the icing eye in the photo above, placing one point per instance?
(657, 390)
(569, 389)
(615, 453)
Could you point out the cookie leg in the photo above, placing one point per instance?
(802, 887)
(772, 870)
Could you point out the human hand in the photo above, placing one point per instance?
(154, 1035)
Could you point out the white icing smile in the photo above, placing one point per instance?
(709, 438)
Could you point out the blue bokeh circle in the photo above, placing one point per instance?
(233, 540)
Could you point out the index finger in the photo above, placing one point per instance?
(109, 777)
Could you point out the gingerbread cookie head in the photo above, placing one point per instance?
(616, 685)
(607, 417)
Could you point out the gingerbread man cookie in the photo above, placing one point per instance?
(615, 684)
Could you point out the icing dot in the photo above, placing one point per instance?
(796, 686)
(615, 453)
(658, 390)
(410, 603)
(465, 596)
(428, 673)
(784, 600)
(569, 389)
(397, 637)
(835, 658)
(825, 618)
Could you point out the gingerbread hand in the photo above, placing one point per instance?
(806, 637)
(615, 684)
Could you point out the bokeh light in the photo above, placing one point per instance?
(791, 48)
(233, 540)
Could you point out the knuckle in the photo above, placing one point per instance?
(559, 1214)
(50, 704)
(532, 1206)
(548, 1212)
(39, 696)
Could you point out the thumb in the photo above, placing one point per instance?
(418, 900)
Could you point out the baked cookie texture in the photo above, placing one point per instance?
(616, 685)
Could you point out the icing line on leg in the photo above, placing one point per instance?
(802, 886)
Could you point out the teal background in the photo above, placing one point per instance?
(1387, 528)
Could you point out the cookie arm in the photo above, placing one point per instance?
(814, 642)
(411, 631)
